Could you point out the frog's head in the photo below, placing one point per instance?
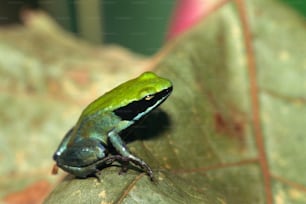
(148, 92)
(135, 98)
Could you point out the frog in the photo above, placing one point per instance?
(86, 146)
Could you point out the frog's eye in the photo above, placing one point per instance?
(147, 93)
(149, 97)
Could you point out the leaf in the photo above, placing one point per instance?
(231, 132)
(47, 77)
(236, 117)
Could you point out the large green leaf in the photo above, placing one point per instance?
(235, 119)
(231, 132)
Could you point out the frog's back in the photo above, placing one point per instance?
(132, 90)
(101, 116)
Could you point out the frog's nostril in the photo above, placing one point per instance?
(55, 156)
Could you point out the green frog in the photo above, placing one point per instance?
(86, 145)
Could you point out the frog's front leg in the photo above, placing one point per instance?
(120, 147)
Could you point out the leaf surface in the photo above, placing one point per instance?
(231, 132)
(236, 115)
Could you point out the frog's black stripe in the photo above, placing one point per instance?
(132, 110)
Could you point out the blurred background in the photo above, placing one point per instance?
(139, 25)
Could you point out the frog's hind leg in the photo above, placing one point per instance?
(104, 162)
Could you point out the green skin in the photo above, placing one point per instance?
(85, 147)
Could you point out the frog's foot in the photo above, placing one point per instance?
(144, 166)
(105, 161)
(138, 162)
(124, 164)
(125, 160)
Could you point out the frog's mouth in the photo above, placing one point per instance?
(137, 109)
